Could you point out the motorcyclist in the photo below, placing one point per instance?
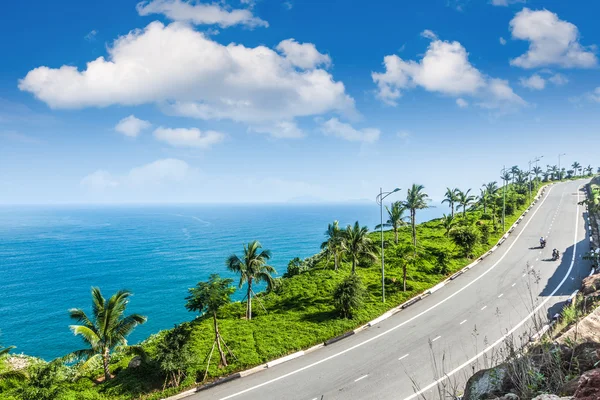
(555, 254)
(542, 241)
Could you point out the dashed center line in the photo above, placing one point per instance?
(524, 275)
(404, 356)
(500, 295)
(483, 308)
(362, 377)
(513, 285)
(436, 338)
(463, 322)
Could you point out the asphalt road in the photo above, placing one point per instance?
(437, 343)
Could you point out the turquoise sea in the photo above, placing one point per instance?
(51, 256)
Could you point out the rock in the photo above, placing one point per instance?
(508, 396)
(590, 284)
(135, 362)
(486, 384)
(550, 397)
(589, 386)
(586, 356)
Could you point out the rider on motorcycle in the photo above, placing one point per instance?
(542, 242)
(555, 254)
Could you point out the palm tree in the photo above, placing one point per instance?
(491, 190)
(589, 170)
(537, 171)
(333, 244)
(252, 268)
(357, 244)
(395, 218)
(570, 173)
(416, 199)
(554, 171)
(450, 198)
(483, 199)
(448, 223)
(106, 330)
(515, 171)
(5, 350)
(17, 375)
(465, 200)
(576, 166)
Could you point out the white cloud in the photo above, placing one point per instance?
(288, 5)
(132, 126)
(445, 69)
(552, 41)
(428, 34)
(280, 130)
(502, 41)
(99, 181)
(305, 55)
(345, 131)
(462, 103)
(594, 96)
(91, 36)
(505, 3)
(188, 137)
(534, 82)
(199, 13)
(189, 74)
(558, 79)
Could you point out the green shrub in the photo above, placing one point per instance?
(465, 237)
(348, 296)
(174, 356)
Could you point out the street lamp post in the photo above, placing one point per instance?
(504, 199)
(559, 170)
(380, 197)
(529, 174)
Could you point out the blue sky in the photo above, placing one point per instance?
(270, 100)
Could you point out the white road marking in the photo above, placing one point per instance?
(500, 295)
(404, 356)
(524, 275)
(436, 338)
(513, 285)
(405, 322)
(483, 308)
(463, 322)
(510, 332)
(362, 377)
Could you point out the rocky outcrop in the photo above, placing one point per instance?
(589, 386)
(551, 397)
(487, 384)
(590, 284)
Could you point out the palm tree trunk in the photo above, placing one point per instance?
(335, 260)
(464, 211)
(484, 209)
(404, 276)
(249, 305)
(452, 209)
(218, 340)
(414, 228)
(396, 235)
(105, 360)
(353, 265)
(494, 214)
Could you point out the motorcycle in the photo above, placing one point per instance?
(555, 255)
(542, 243)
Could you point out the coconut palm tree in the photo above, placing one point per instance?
(5, 350)
(333, 244)
(17, 375)
(396, 218)
(491, 190)
(357, 244)
(106, 330)
(576, 166)
(448, 223)
(465, 200)
(537, 171)
(570, 173)
(451, 199)
(252, 268)
(416, 199)
(515, 171)
(588, 170)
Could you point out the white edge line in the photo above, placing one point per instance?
(497, 342)
(436, 338)
(362, 377)
(463, 322)
(483, 308)
(403, 357)
(400, 324)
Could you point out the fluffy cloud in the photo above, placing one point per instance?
(428, 34)
(132, 126)
(280, 130)
(558, 79)
(552, 41)
(303, 55)
(462, 103)
(345, 131)
(91, 36)
(188, 137)
(594, 96)
(159, 172)
(445, 69)
(199, 13)
(189, 74)
(502, 41)
(534, 82)
(505, 3)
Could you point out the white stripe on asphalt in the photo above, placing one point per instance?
(400, 324)
(501, 294)
(436, 338)
(483, 308)
(403, 357)
(463, 322)
(362, 377)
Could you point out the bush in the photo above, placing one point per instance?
(485, 232)
(348, 295)
(465, 237)
(174, 356)
(295, 267)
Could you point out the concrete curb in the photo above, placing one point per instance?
(254, 370)
(284, 359)
(317, 347)
(181, 395)
(380, 318)
(436, 287)
(338, 338)
(219, 381)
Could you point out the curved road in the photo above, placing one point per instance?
(437, 343)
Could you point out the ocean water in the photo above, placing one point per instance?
(51, 256)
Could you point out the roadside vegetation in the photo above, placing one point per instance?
(316, 299)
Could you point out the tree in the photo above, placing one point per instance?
(491, 190)
(207, 298)
(252, 268)
(576, 166)
(588, 170)
(107, 329)
(174, 356)
(416, 199)
(395, 218)
(448, 223)
(357, 244)
(347, 296)
(515, 171)
(295, 267)
(409, 255)
(570, 173)
(465, 200)
(537, 171)
(333, 244)
(5, 350)
(11, 374)
(451, 198)
(465, 237)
